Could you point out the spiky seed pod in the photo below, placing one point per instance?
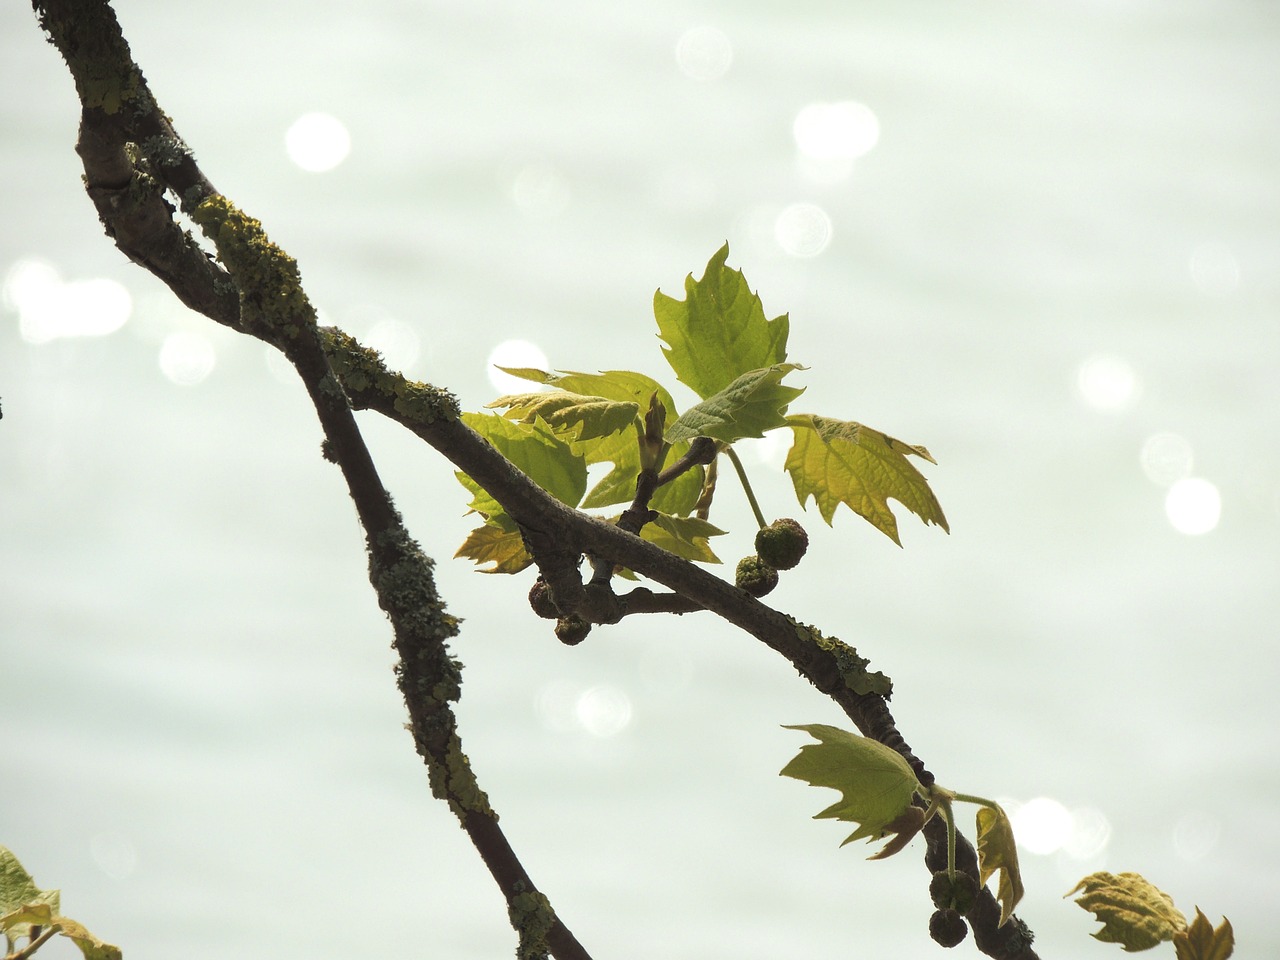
(947, 927)
(964, 892)
(782, 543)
(572, 630)
(755, 576)
(541, 602)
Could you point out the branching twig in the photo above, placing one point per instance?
(132, 156)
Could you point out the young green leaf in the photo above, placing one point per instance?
(838, 461)
(684, 536)
(489, 544)
(875, 782)
(997, 851)
(580, 417)
(18, 890)
(1133, 912)
(719, 331)
(24, 905)
(547, 460)
(753, 403)
(622, 449)
(1201, 941)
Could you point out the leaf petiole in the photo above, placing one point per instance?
(746, 485)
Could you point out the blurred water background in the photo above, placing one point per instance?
(1040, 239)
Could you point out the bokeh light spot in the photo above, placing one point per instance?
(1166, 458)
(836, 131)
(1193, 506)
(1107, 383)
(187, 358)
(704, 53)
(1195, 835)
(1042, 825)
(803, 230)
(114, 854)
(398, 343)
(604, 711)
(49, 309)
(317, 142)
(515, 353)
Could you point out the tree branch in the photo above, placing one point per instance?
(132, 156)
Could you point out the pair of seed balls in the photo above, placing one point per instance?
(779, 546)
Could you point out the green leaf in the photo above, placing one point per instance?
(490, 544)
(18, 890)
(875, 782)
(1133, 912)
(1201, 941)
(547, 460)
(719, 331)
(23, 904)
(997, 852)
(581, 417)
(686, 537)
(753, 403)
(623, 449)
(838, 461)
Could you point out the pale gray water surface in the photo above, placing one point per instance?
(1061, 244)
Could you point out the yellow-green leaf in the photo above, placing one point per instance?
(719, 331)
(547, 460)
(17, 891)
(838, 461)
(997, 852)
(580, 417)
(489, 544)
(876, 783)
(1134, 912)
(686, 537)
(753, 403)
(623, 449)
(1201, 941)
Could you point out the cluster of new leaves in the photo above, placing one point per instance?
(1138, 915)
(31, 914)
(721, 345)
(877, 791)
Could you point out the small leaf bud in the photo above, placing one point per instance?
(947, 927)
(755, 576)
(782, 544)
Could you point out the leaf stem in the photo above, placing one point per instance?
(746, 486)
(980, 801)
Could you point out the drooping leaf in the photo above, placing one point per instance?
(547, 460)
(684, 536)
(719, 331)
(623, 449)
(997, 852)
(1133, 911)
(838, 461)
(1201, 941)
(23, 904)
(876, 784)
(753, 403)
(489, 544)
(18, 890)
(580, 417)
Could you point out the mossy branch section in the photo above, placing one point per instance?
(90, 40)
(269, 280)
(853, 668)
(368, 382)
(533, 919)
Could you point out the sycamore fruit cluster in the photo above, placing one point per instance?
(952, 894)
(779, 546)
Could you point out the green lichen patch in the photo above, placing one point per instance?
(852, 667)
(369, 383)
(532, 917)
(268, 278)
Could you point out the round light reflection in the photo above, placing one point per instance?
(704, 53)
(1107, 383)
(1042, 825)
(317, 142)
(49, 309)
(836, 131)
(1166, 458)
(604, 711)
(114, 854)
(187, 358)
(803, 230)
(1193, 506)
